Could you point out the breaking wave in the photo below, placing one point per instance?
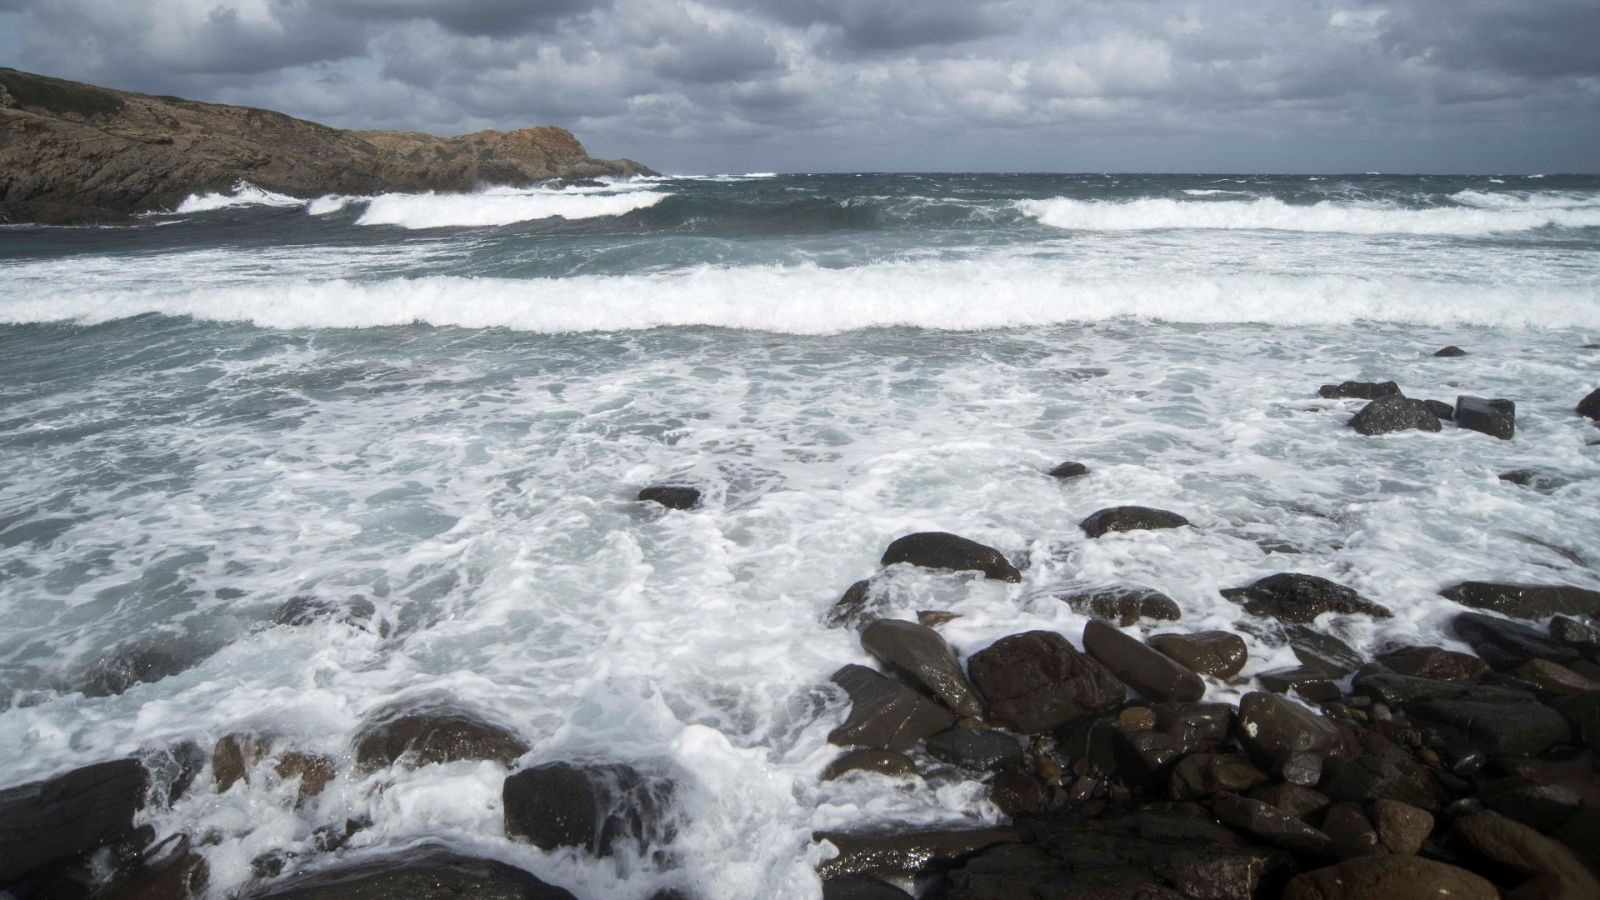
(500, 206)
(244, 194)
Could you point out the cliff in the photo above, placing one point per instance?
(74, 153)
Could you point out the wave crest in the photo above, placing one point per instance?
(500, 206)
(244, 194)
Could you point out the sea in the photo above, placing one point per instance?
(438, 410)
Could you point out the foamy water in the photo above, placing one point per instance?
(207, 419)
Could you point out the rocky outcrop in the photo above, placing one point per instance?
(74, 153)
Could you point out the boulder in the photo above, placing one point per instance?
(883, 762)
(1555, 679)
(421, 736)
(1401, 827)
(1312, 684)
(1394, 413)
(1576, 633)
(1201, 775)
(1525, 601)
(672, 496)
(1440, 408)
(885, 714)
(1389, 878)
(589, 806)
(1450, 351)
(1373, 776)
(1130, 518)
(1295, 799)
(1499, 729)
(1538, 480)
(1396, 690)
(1271, 727)
(1583, 714)
(1016, 793)
(941, 550)
(1069, 470)
(1124, 606)
(918, 654)
(1496, 418)
(1141, 668)
(1359, 390)
(356, 611)
(170, 869)
(1351, 832)
(418, 873)
(1036, 681)
(1272, 825)
(861, 887)
(1505, 645)
(904, 854)
(855, 608)
(976, 749)
(64, 818)
(1220, 654)
(235, 756)
(1140, 755)
(1435, 662)
(1320, 650)
(1293, 597)
(1549, 869)
(1590, 405)
(933, 618)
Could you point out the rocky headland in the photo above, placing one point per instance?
(77, 154)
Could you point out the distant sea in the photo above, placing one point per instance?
(434, 412)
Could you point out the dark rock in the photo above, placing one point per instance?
(1070, 470)
(933, 618)
(419, 873)
(1543, 482)
(1590, 405)
(1141, 668)
(894, 765)
(1359, 390)
(1451, 350)
(1507, 729)
(1577, 633)
(861, 887)
(1435, 662)
(356, 611)
(1546, 868)
(1139, 756)
(1130, 518)
(1201, 775)
(906, 853)
(591, 807)
(61, 819)
(1272, 825)
(1555, 679)
(1312, 684)
(1271, 727)
(1017, 793)
(672, 496)
(235, 756)
(984, 751)
(421, 736)
(1293, 597)
(1036, 681)
(1394, 413)
(1320, 650)
(1396, 690)
(1496, 418)
(941, 550)
(1220, 654)
(1440, 408)
(1389, 878)
(1301, 767)
(1124, 606)
(1371, 777)
(918, 654)
(1582, 712)
(172, 770)
(1351, 833)
(1295, 799)
(1401, 827)
(125, 667)
(855, 608)
(884, 714)
(1525, 601)
(1505, 645)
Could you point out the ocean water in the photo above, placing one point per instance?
(446, 404)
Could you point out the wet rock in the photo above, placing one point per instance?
(1301, 767)
(1590, 405)
(984, 751)
(1389, 878)
(1295, 799)
(933, 618)
(1351, 833)
(855, 608)
(1220, 654)
(1141, 668)
(591, 807)
(1450, 351)
(1069, 470)
(1525, 601)
(1576, 633)
(1393, 413)
(1550, 869)
(1359, 390)
(884, 714)
(1582, 712)
(883, 762)
(1272, 825)
(1496, 418)
(1271, 727)
(172, 770)
(1384, 772)
(1505, 645)
(1440, 408)
(1396, 690)
(312, 771)
(1036, 681)
(940, 550)
(1555, 679)
(1312, 684)
(918, 654)
(356, 611)
(1124, 606)
(235, 756)
(423, 736)
(61, 819)
(170, 869)
(672, 496)
(124, 667)
(1017, 793)
(419, 873)
(1506, 729)
(1320, 650)
(1201, 775)
(905, 854)
(1401, 827)
(1130, 518)
(1141, 755)
(1543, 482)
(1435, 662)
(1293, 597)
(861, 887)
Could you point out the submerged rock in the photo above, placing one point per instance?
(854, 609)
(1394, 413)
(1036, 681)
(419, 873)
(1124, 606)
(420, 737)
(1130, 518)
(1450, 351)
(672, 496)
(1293, 597)
(1590, 405)
(941, 550)
(124, 667)
(1359, 390)
(1525, 601)
(1145, 670)
(356, 611)
(918, 654)
(1504, 644)
(1220, 654)
(1441, 409)
(1069, 470)
(1496, 418)
(881, 762)
(885, 714)
(588, 806)
(62, 819)
(904, 854)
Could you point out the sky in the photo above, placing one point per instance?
(887, 85)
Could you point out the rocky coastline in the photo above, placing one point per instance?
(77, 154)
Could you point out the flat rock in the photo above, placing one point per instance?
(1271, 727)
(588, 806)
(1069, 470)
(904, 854)
(424, 736)
(419, 873)
(1036, 681)
(882, 762)
(1525, 601)
(941, 550)
(918, 654)
(1435, 662)
(1359, 390)
(1505, 645)
(1550, 869)
(1145, 670)
(1124, 606)
(1393, 413)
(885, 714)
(1220, 654)
(977, 749)
(1496, 418)
(60, 819)
(1500, 729)
(672, 496)
(1389, 878)
(1130, 518)
(1294, 597)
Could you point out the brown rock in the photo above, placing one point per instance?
(1401, 827)
(420, 737)
(1145, 670)
(918, 654)
(883, 762)
(1036, 681)
(1220, 654)
(903, 854)
(885, 714)
(234, 756)
(313, 771)
(1555, 679)
(1389, 878)
(1551, 870)
(1436, 663)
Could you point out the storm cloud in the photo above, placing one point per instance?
(814, 85)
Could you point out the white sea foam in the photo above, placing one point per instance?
(332, 203)
(1209, 192)
(500, 206)
(244, 194)
(1271, 214)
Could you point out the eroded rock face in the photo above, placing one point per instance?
(425, 736)
(1036, 681)
(919, 654)
(885, 714)
(426, 873)
(1220, 654)
(1130, 518)
(1525, 601)
(60, 819)
(1141, 668)
(942, 550)
(1293, 597)
(1394, 413)
(588, 806)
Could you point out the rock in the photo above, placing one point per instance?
(1555, 679)
(1201, 775)
(1505, 645)
(1293, 597)
(1130, 518)
(423, 736)
(1389, 878)
(1525, 601)
(1124, 606)
(1351, 833)
(1359, 390)
(1312, 684)
(1496, 418)
(1271, 727)
(672, 496)
(1295, 799)
(861, 887)
(170, 869)
(940, 550)
(1590, 405)
(1396, 690)
(984, 751)
(907, 853)
(1272, 825)
(124, 667)
(1141, 668)
(1322, 651)
(313, 771)
(918, 654)
(591, 807)
(1506, 729)
(1550, 869)
(855, 608)
(234, 756)
(63, 818)
(1440, 408)
(1036, 681)
(97, 155)
(356, 611)
(1301, 767)
(933, 618)
(1017, 793)
(1069, 470)
(883, 762)
(1450, 351)
(884, 714)
(1583, 714)
(1576, 633)
(1543, 482)
(172, 770)
(1401, 827)
(1394, 413)
(418, 873)
(1141, 755)
(1220, 654)
(1435, 662)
